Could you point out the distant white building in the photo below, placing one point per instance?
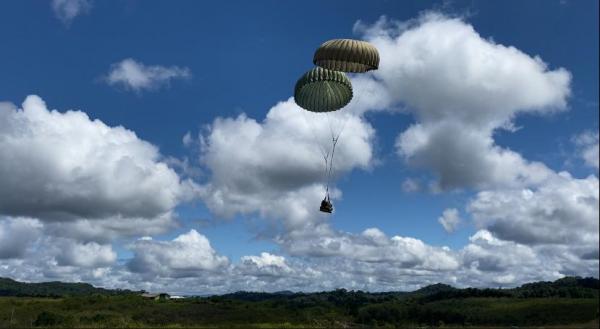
(156, 296)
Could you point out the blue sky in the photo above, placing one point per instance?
(226, 59)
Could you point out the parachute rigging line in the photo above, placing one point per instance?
(334, 140)
(334, 143)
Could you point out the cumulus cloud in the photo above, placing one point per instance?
(65, 166)
(276, 167)
(489, 261)
(112, 228)
(189, 254)
(450, 219)
(461, 88)
(133, 75)
(588, 147)
(468, 158)
(265, 264)
(29, 252)
(89, 254)
(563, 210)
(475, 80)
(67, 10)
(488, 253)
(265, 260)
(16, 235)
(371, 245)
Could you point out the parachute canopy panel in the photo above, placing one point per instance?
(347, 55)
(323, 90)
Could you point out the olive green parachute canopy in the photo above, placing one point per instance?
(347, 55)
(323, 90)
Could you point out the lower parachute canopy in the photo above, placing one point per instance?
(323, 90)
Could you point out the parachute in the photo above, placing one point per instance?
(347, 55)
(325, 89)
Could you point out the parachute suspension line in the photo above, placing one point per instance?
(324, 153)
(329, 168)
(335, 136)
(329, 161)
(336, 132)
(345, 118)
(331, 126)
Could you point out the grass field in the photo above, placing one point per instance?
(297, 312)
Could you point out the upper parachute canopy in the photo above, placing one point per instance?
(347, 55)
(323, 90)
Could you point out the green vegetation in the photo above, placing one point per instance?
(9, 287)
(567, 301)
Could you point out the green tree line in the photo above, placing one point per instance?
(566, 301)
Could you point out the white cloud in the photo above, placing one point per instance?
(264, 265)
(489, 261)
(469, 158)
(33, 254)
(588, 144)
(462, 88)
(560, 211)
(371, 245)
(369, 95)
(67, 10)
(135, 76)
(64, 166)
(189, 254)
(488, 253)
(442, 68)
(275, 167)
(450, 219)
(265, 260)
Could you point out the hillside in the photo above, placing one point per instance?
(568, 287)
(9, 287)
